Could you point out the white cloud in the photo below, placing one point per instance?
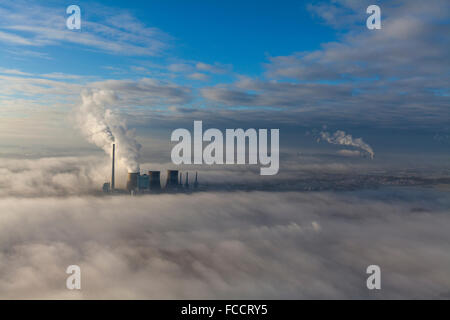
(223, 245)
(180, 67)
(14, 72)
(363, 77)
(15, 39)
(198, 76)
(217, 68)
(44, 25)
(349, 153)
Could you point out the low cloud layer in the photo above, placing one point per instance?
(52, 176)
(227, 245)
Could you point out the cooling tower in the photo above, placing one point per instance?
(172, 179)
(155, 180)
(132, 181)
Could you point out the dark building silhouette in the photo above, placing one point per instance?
(143, 182)
(155, 180)
(186, 183)
(172, 179)
(196, 180)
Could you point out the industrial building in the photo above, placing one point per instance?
(172, 179)
(151, 182)
(155, 180)
(138, 183)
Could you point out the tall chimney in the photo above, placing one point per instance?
(113, 158)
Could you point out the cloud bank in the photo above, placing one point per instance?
(226, 245)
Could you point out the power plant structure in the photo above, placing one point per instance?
(172, 180)
(138, 183)
(113, 160)
(155, 180)
(186, 184)
(196, 180)
(132, 181)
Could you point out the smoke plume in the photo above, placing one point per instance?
(341, 138)
(102, 127)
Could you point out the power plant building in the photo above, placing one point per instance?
(151, 182)
(172, 179)
(155, 180)
(132, 181)
(106, 187)
(143, 182)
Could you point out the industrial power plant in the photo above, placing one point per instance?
(150, 182)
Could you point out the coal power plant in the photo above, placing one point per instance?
(149, 182)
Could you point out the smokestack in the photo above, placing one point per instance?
(113, 159)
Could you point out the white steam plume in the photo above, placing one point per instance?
(102, 127)
(341, 138)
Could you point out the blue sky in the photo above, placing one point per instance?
(238, 34)
(296, 65)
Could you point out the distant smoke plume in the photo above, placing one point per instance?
(103, 127)
(341, 138)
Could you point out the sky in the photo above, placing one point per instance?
(353, 106)
(203, 31)
(298, 66)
